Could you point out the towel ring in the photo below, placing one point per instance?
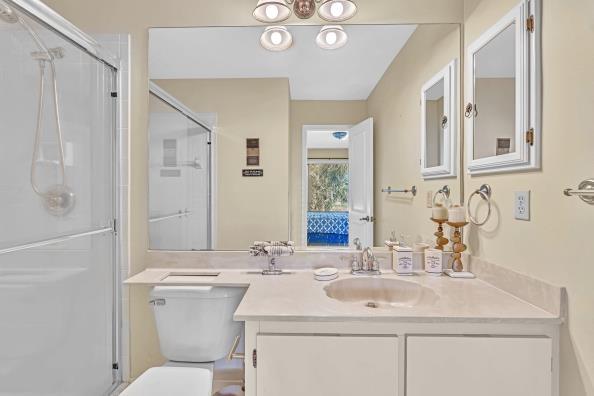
(485, 193)
(445, 191)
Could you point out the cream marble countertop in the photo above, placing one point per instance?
(298, 297)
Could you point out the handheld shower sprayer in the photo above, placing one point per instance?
(58, 199)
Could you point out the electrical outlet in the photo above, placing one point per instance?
(522, 205)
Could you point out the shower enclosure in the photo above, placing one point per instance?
(180, 175)
(58, 207)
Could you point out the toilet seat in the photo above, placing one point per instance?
(167, 381)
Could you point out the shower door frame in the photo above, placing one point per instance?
(54, 22)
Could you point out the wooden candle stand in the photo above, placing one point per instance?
(441, 241)
(458, 247)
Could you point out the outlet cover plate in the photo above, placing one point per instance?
(522, 205)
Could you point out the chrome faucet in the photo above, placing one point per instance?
(368, 265)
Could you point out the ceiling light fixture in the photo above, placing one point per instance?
(340, 135)
(276, 38)
(272, 11)
(337, 10)
(331, 37)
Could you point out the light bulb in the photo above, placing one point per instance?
(276, 38)
(331, 38)
(336, 9)
(272, 11)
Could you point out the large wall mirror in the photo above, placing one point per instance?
(503, 95)
(264, 133)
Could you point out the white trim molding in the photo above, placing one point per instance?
(450, 93)
(527, 155)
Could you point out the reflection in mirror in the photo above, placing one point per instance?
(265, 174)
(435, 123)
(495, 96)
(179, 176)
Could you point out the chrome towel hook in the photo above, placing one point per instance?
(485, 193)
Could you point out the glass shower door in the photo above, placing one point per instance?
(57, 211)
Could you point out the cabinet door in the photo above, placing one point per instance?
(485, 366)
(327, 365)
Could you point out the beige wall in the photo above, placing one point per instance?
(245, 108)
(314, 112)
(556, 245)
(395, 107)
(135, 17)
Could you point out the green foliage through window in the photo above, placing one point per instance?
(328, 187)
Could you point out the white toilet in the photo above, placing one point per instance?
(195, 326)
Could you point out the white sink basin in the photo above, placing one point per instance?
(378, 292)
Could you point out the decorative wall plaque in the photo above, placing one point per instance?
(253, 172)
(253, 152)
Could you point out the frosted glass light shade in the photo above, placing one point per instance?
(276, 38)
(337, 10)
(331, 37)
(272, 11)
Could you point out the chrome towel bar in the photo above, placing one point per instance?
(390, 190)
(585, 191)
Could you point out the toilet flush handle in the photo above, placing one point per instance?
(232, 353)
(157, 301)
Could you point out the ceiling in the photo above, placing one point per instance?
(348, 73)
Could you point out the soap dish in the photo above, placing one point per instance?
(462, 274)
(325, 274)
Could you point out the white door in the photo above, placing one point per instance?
(472, 366)
(361, 183)
(292, 365)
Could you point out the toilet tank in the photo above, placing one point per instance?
(195, 323)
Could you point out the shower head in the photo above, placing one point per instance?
(7, 14)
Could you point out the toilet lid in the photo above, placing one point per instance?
(167, 381)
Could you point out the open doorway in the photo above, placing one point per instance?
(334, 178)
(326, 183)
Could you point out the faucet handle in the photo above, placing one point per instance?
(357, 243)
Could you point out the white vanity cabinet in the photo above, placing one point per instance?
(400, 359)
(471, 366)
(325, 365)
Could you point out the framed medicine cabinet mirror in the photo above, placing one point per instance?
(438, 124)
(503, 94)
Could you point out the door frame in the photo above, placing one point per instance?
(304, 184)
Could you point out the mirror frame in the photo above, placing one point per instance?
(448, 168)
(528, 99)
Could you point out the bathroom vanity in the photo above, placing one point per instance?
(386, 335)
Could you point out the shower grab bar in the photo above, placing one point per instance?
(171, 216)
(53, 241)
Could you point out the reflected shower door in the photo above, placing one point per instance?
(57, 270)
(179, 180)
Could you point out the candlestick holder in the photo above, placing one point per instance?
(441, 241)
(459, 246)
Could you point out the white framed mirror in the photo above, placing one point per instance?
(438, 124)
(503, 95)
